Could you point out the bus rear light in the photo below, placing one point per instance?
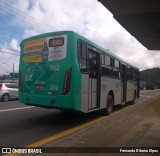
(67, 81)
(20, 81)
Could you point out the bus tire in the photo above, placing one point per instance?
(109, 106)
(134, 98)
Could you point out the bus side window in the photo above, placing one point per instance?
(107, 68)
(82, 57)
(116, 69)
(107, 60)
(131, 74)
(102, 58)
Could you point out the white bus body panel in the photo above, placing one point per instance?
(89, 92)
(107, 85)
(92, 93)
(131, 87)
(85, 93)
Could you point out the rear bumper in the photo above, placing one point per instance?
(47, 101)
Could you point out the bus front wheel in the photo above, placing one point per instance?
(109, 106)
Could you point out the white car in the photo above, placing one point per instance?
(8, 91)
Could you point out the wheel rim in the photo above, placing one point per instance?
(6, 97)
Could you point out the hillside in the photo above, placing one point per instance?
(151, 76)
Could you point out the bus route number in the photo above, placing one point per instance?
(54, 67)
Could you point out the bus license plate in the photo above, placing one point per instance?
(40, 86)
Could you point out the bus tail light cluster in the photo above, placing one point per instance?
(67, 81)
(20, 81)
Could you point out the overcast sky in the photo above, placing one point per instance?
(20, 19)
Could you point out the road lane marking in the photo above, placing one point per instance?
(72, 130)
(6, 110)
(65, 133)
(61, 134)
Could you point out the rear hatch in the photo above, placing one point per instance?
(40, 79)
(42, 69)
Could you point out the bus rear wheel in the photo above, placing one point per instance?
(109, 106)
(134, 98)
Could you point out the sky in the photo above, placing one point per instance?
(20, 19)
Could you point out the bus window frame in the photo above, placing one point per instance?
(80, 42)
(105, 61)
(115, 65)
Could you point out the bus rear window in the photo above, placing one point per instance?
(56, 42)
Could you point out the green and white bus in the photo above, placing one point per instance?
(64, 70)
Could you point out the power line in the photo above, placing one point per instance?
(15, 11)
(9, 53)
(22, 15)
(22, 19)
(14, 50)
(3, 35)
(3, 50)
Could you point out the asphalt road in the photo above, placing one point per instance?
(22, 125)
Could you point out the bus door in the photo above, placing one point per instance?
(124, 81)
(94, 79)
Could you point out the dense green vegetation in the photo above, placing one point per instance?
(151, 77)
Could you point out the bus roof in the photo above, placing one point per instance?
(78, 36)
